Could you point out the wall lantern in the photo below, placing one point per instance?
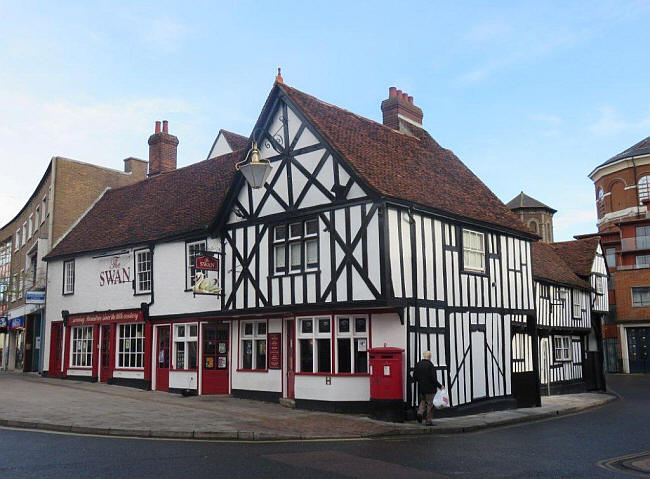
(256, 170)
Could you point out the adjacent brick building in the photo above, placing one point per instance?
(66, 190)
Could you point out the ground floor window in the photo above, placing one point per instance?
(253, 344)
(315, 345)
(352, 344)
(130, 346)
(185, 341)
(562, 348)
(81, 349)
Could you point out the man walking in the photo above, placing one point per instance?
(425, 375)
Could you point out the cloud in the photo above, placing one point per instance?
(487, 31)
(89, 130)
(609, 122)
(571, 221)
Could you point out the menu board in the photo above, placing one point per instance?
(275, 351)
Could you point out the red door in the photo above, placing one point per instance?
(215, 359)
(56, 348)
(291, 362)
(162, 358)
(105, 370)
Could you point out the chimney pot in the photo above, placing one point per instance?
(398, 110)
(405, 96)
(399, 93)
(165, 126)
(162, 150)
(157, 127)
(411, 100)
(392, 92)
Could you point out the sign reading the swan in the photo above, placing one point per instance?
(206, 278)
(115, 270)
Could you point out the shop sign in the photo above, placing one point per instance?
(115, 270)
(275, 351)
(110, 317)
(3, 322)
(35, 297)
(17, 323)
(206, 279)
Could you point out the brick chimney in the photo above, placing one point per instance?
(162, 150)
(399, 107)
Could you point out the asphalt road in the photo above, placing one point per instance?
(568, 447)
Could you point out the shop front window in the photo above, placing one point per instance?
(81, 348)
(253, 344)
(314, 345)
(130, 349)
(352, 344)
(185, 346)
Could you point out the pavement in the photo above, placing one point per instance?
(32, 402)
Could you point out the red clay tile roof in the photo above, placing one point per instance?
(579, 254)
(547, 265)
(163, 206)
(236, 142)
(409, 167)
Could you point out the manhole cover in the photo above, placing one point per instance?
(636, 464)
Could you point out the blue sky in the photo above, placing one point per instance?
(530, 95)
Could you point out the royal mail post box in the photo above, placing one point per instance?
(386, 373)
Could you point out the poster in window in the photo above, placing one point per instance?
(363, 345)
(221, 362)
(222, 347)
(275, 350)
(209, 363)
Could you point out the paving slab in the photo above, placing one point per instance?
(29, 401)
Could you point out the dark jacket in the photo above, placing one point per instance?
(425, 375)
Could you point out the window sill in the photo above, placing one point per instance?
(343, 375)
(172, 370)
(142, 293)
(295, 273)
(81, 368)
(68, 294)
(126, 369)
(475, 272)
(240, 370)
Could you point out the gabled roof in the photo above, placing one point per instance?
(638, 149)
(163, 206)
(236, 142)
(579, 254)
(411, 167)
(522, 200)
(548, 266)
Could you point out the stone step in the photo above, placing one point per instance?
(286, 402)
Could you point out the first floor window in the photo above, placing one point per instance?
(68, 277)
(130, 346)
(81, 349)
(562, 346)
(253, 344)
(143, 271)
(473, 251)
(185, 341)
(577, 309)
(352, 344)
(315, 345)
(295, 247)
(544, 291)
(599, 285)
(641, 296)
(193, 250)
(610, 257)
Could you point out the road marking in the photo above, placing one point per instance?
(637, 464)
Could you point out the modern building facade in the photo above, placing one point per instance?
(622, 186)
(64, 192)
(365, 235)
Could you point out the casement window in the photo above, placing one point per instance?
(30, 225)
(599, 285)
(562, 348)
(130, 346)
(644, 189)
(81, 347)
(295, 247)
(185, 344)
(192, 251)
(21, 283)
(315, 345)
(17, 245)
(643, 237)
(14, 288)
(253, 344)
(68, 277)
(641, 296)
(610, 257)
(25, 238)
(577, 308)
(544, 291)
(143, 270)
(351, 344)
(473, 251)
(37, 217)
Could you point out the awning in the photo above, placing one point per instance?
(17, 323)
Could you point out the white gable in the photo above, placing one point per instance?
(221, 147)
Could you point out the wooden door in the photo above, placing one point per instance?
(105, 369)
(162, 358)
(214, 364)
(291, 360)
(56, 346)
(29, 343)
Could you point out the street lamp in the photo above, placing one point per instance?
(257, 170)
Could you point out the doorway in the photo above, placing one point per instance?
(162, 357)
(290, 360)
(56, 349)
(638, 341)
(105, 370)
(214, 364)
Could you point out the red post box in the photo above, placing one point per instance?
(386, 383)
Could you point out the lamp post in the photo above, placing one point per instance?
(254, 168)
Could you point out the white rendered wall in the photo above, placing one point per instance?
(270, 380)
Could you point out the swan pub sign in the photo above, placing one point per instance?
(206, 278)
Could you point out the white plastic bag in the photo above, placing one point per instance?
(441, 399)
